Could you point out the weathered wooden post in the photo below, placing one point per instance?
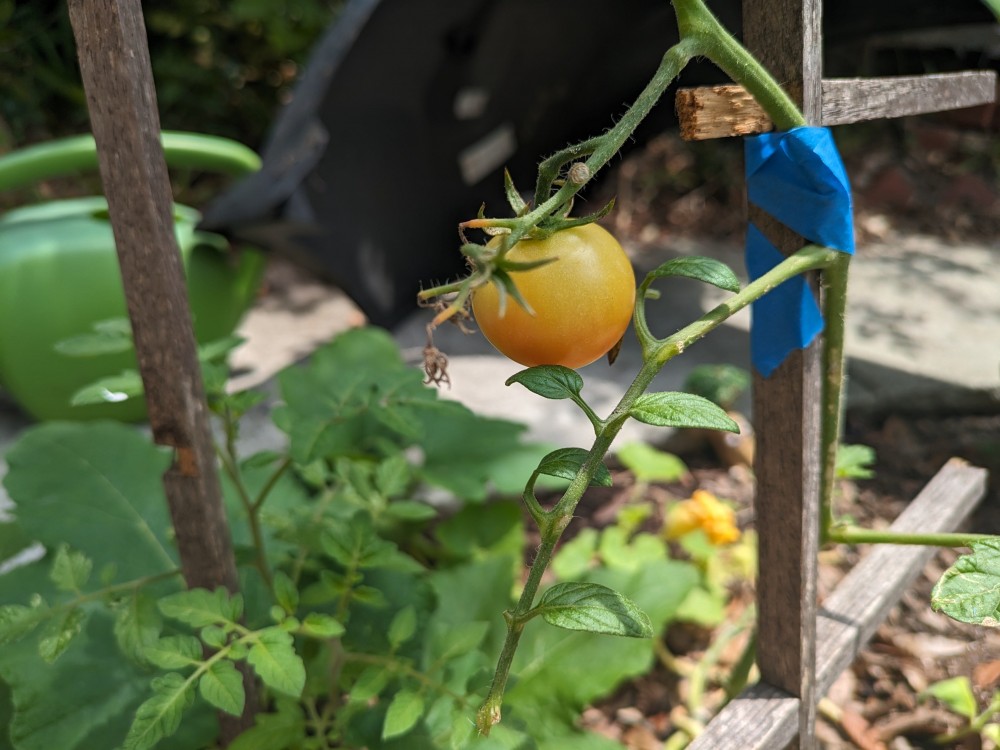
(114, 60)
(785, 35)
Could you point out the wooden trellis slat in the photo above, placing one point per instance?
(785, 36)
(118, 82)
(765, 718)
(724, 111)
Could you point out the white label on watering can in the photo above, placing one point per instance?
(486, 154)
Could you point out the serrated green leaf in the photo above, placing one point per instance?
(110, 390)
(392, 476)
(70, 569)
(16, 621)
(703, 606)
(855, 462)
(404, 712)
(956, 693)
(651, 465)
(273, 658)
(213, 636)
(369, 595)
(566, 462)
(319, 625)
(354, 544)
(372, 681)
(514, 199)
(709, 270)
(137, 624)
(676, 409)
(285, 592)
(403, 626)
(59, 632)
(222, 686)
(217, 349)
(159, 716)
(968, 590)
(105, 501)
(201, 607)
(174, 652)
(549, 381)
(593, 608)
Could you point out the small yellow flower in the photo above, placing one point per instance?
(704, 511)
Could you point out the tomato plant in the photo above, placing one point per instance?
(581, 302)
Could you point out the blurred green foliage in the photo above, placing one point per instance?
(221, 66)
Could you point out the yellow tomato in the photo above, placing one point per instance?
(582, 301)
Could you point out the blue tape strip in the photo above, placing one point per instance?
(797, 177)
(784, 319)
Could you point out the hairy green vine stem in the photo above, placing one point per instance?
(812, 257)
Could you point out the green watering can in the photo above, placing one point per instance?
(59, 276)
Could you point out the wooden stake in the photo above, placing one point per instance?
(118, 80)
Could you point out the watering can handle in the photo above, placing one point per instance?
(79, 153)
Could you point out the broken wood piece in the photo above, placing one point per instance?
(724, 111)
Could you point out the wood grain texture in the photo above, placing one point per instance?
(719, 112)
(785, 36)
(847, 100)
(764, 718)
(725, 111)
(114, 61)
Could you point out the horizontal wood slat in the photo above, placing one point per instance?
(764, 718)
(724, 111)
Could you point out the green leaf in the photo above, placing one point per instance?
(494, 529)
(215, 351)
(720, 384)
(174, 652)
(621, 551)
(70, 570)
(283, 730)
(676, 409)
(404, 712)
(318, 625)
(285, 592)
(201, 607)
(372, 681)
(59, 632)
(106, 501)
(651, 465)
(575, 557)
(108, 337)
(354, 543)
(514, 199)
(222, 686)
(393, 475)
(593, 608)
(110, 390)
(703, 606)
(403, 626)
(457, 639)
(566, 462)
(213, 636)
(549, 381)
(956, 693)
(137, 624)
(273, 658)
(700, 268)
(968, 590)
(160, 716)
(855, 462)
(410, 510)
(17, 620)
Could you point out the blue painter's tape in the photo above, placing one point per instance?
(797, 177)
(784, 319)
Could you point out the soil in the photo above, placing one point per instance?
(922, 176)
